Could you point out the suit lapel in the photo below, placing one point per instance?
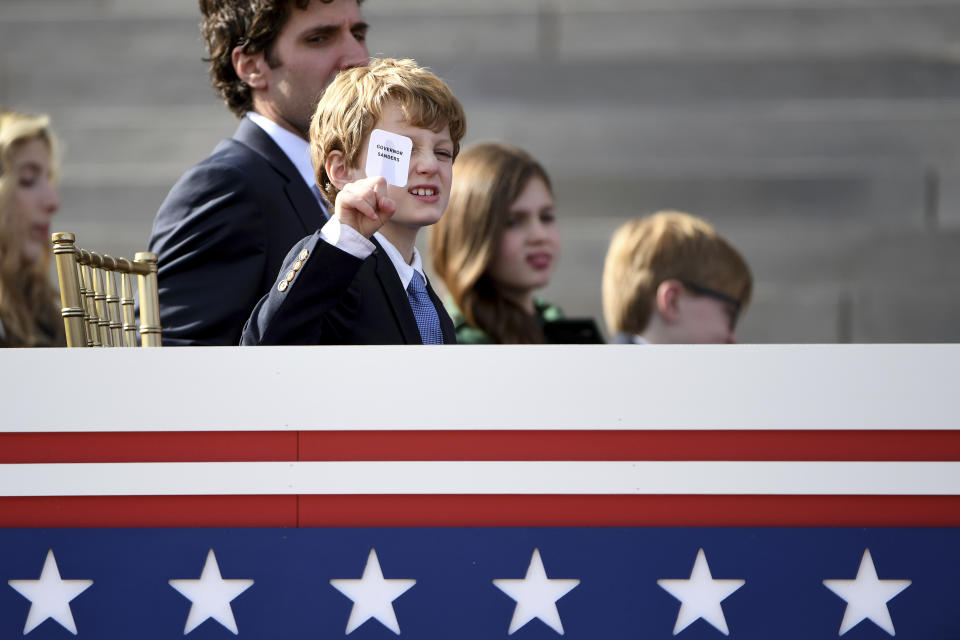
(396, 296)
(302, 199)
(305, 203)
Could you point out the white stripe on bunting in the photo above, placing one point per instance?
(483, 477)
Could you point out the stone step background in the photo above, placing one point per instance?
(820, 136)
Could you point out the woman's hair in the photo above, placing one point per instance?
(667, 245)
(487, 179)
(354, 101)
(26, 295)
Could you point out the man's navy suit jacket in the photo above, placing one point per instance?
(222, 233)
(324, 295)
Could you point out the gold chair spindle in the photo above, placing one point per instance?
(126, 303)
(113, 300)
(100, 298)
(93, 326)
(84, 300)
(71, 301)
(150, 330)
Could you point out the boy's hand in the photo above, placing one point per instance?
(364, 205)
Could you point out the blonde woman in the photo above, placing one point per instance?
(29, 314)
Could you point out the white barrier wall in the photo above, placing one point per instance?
(482, 387)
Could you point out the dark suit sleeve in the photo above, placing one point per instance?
(210, 240)
(294, 310)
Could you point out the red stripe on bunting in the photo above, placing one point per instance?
(149, 446)
(631, 445)
(149, 511)
(244, 446)
(480, 510)
(629, 511)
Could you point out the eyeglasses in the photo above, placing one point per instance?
(733, 304)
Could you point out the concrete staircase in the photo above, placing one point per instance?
(820, 136)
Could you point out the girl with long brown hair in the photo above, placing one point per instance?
(496, 244)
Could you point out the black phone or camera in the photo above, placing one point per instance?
(573, 331)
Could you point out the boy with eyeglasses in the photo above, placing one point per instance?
(671, 278)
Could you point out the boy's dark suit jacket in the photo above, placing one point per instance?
(222, 233)
(335, 298)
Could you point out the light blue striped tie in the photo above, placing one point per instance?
(423, 310)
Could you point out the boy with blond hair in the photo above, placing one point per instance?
(359, 279)
(671, 278)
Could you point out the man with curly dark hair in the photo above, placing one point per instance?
(226, 225)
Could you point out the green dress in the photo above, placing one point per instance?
(468, 334)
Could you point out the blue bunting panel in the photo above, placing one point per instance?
(480, 583)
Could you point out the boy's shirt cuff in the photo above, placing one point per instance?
(346, 238)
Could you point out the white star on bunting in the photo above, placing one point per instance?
(536, 595)
(700, 596)
(210, 596)
(372, 595)
(50, 596)
(867, 596)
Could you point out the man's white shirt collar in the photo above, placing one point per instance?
(295, 147)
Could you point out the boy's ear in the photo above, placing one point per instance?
(249, 67)
(337, 170)
(668, 300)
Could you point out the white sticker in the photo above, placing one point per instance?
(388, 155)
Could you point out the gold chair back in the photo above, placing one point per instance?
(98, 313)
